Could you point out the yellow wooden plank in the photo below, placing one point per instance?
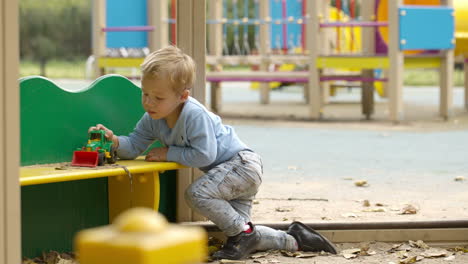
(119, 62)
(422, 62)
(360, 63)
(353, 62)
(31, 175)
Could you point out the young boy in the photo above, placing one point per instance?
(195, 137)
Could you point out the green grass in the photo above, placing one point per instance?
(55, 69)
(429, 77)
(76, 70)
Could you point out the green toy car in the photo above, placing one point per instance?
(97, 151)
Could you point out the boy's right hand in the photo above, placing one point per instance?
(109, 133)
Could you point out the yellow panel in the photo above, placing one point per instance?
(119, 62)
(357, 63)
(354, 63)
(422, 63)
(143, 191)
(40, 174)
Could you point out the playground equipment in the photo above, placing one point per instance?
(74, 198)
(412, 29)
(97, 151)
(125, 31)
(142, 236)
(347, 48)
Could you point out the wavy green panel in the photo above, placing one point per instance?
(54, 122)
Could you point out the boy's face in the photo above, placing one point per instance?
(158, 98)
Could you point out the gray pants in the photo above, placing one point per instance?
(224, 195)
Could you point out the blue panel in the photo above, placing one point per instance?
(294, 32)
(426, 27)
(126, 13)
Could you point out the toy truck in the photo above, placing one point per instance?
(97, 151)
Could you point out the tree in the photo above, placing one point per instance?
(54, 29)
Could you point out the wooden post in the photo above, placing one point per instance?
(157, 17)
(324, 49)
(191, 39)
(466, 82)
(99, 37)
(396, 63)
(313, 46)
(264, 49)
(10, 219)
(215, 48)
(446, 76)
(368, 49)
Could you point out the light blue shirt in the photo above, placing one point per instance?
(199, 139)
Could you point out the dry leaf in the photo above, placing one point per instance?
(409, 260)
(228, 261)
(375, 210)
(351, 215)
(361, 183)
(349, 256)
(435, 253)
(401, 254)
(366, 203)
(289, 253)
(259, 255)
(283, 209)
(255, 202)
(350, 253)
(460, 178)
(285, 219)
(379, 204)
(409, 209)
(306, 255)
(459, 249)
(418, 244)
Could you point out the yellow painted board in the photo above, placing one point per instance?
(357, 63)
(40, 174)
(353, 62)
(119, 62)
(143, 191)
(422, 62)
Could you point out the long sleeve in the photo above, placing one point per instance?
(203, 144)
(138, 141)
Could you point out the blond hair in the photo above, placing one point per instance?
(170, 63)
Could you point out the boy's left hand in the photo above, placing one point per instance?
(157, 154)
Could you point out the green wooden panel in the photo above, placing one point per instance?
(54, 122)
(53, 213)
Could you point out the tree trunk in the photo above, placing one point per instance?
(42, 67)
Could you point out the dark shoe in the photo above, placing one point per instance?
(239, 246)
(309, 240)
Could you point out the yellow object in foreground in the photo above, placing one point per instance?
(141, 236)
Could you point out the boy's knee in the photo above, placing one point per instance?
(189, 195)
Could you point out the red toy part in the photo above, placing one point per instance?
(85, 158)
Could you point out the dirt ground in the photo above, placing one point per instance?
(373, 253)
